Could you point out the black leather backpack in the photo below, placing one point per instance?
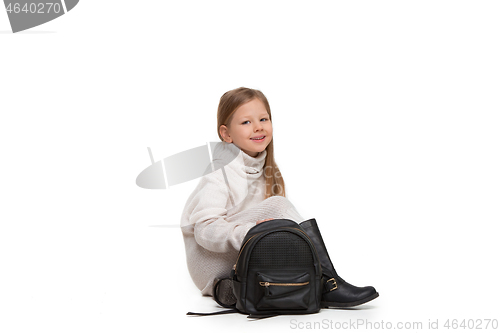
(277, 271)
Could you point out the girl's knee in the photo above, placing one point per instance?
(279, 202)
(277, 198)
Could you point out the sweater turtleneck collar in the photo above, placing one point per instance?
(226, 153)
(254, 164)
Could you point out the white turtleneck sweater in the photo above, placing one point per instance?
(226, 203)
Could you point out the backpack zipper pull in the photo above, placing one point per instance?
(266, 288)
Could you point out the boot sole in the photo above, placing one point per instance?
(347, 305)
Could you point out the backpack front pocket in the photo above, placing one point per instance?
(283, 290)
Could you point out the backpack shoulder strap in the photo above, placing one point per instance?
(212, 313)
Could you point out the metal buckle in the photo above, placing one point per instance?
(334, 283)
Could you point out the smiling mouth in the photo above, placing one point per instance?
(259, 138)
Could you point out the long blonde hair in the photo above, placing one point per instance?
(229, 102)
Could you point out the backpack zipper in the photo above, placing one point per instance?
(279, 284)
(241, 250)
(267, 284)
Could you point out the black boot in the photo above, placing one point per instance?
(336, 291)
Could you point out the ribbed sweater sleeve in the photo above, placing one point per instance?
(208, 217)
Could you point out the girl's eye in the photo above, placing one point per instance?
(243, 123)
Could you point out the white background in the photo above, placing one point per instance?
(385, 115)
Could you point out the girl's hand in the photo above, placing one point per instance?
(264, 221)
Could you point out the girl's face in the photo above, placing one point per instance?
(250, 121)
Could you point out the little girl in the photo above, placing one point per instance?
(246, 189)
